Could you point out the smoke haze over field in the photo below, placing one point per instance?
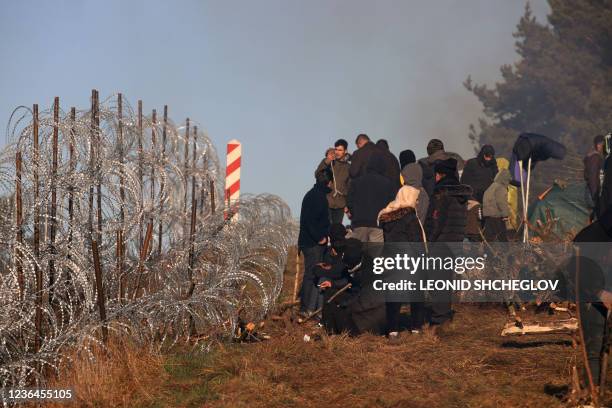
(286, 78)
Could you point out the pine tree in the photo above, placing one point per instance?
(560, 87)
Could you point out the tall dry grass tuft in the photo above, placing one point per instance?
(120, 375)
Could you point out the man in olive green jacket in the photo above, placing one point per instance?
(338, 161)
(495, 208)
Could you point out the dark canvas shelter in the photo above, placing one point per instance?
(565, 205)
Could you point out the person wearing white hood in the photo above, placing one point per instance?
(401, 223)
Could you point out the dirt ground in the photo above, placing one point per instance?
(467, 365)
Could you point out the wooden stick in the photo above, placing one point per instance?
(581, 331)
(119, 239)
(72, 162)
(144, 251)
(526, 229)
(99, 175)
(37, 270)
(194, 206)
(312, 314)
(18, 223)
(100, 289)
(520, 164)
(140, 172)
(185, 179)
(212, 196)
(53, 195)
(297, 276)
(92, 143)
(153, 145)
(161, 187)
(605, 357)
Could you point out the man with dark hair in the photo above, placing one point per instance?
(359, 161)
(593, 164)
(392, 166)
(435, 152)
(312, 239)
(446, 220)
(406, 157)
(368, 194)
(338, 164)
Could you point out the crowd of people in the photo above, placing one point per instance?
(438, 198)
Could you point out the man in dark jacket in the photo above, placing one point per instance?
(480, 172)
(595, 288)
(392, 165)
(361, 157)
(593, 164)
(445, 223)
(447, 205)
(339, 166)
(368, 194)
(314, 229)
(435, 152)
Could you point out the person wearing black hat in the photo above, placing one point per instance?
(593, 164)
(480, 172)
(446, 220)
(312, 239)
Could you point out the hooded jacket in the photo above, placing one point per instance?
(340, 170)
(427, 164)
(447, 214)
(412, 174)
(399, 219)
(479, 173)
(370, 193)
(495, 199)
(314, 216)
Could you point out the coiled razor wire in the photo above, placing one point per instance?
(148, 175)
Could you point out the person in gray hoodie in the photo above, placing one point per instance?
(412, 174)
(495, 208)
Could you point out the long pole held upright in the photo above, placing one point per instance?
(520, 164)
(526, 229)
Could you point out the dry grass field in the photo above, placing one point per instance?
(466, 365)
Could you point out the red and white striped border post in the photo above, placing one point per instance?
(232, 175)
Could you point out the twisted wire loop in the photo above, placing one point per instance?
(196, 282)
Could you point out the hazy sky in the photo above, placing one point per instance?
(286, 78)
